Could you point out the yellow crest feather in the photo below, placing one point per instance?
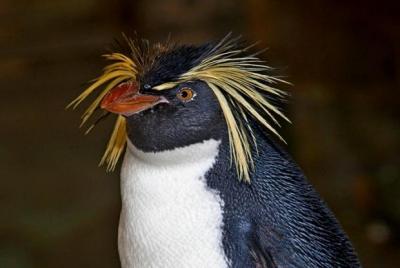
(123, 69)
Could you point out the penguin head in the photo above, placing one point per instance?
(168, 96)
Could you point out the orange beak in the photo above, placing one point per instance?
(126, 100)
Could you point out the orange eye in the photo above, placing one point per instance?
(185, 94)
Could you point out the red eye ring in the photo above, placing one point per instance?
(185, 94)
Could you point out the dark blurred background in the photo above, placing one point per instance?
(58, 209)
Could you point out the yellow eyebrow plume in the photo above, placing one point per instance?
(123, 69)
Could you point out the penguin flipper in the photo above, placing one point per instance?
(262, 260)
(270, 249)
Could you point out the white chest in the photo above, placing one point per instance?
(169, 217)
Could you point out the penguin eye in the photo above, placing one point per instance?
(185, 94)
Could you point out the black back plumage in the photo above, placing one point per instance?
(278, 220)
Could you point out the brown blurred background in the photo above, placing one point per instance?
(58, 209)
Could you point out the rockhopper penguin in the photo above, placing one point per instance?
(203, 184)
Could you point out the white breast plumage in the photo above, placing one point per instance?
(169, 217)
